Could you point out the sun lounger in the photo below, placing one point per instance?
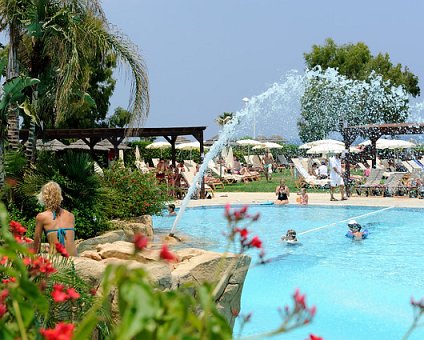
(407, 166)
(392, 184)
(188, 178)
(373, 181)
(304, 178)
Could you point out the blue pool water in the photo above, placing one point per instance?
(361, 289)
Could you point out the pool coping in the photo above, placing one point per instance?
(243, 198)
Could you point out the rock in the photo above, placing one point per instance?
(158, 272)
(90, 271)
(91, 243)
(209, 266)
(125, 251)
(91, 254)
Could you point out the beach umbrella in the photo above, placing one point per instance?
(268, 145)
(188, 146)
(383, 143)
(159, 145)
(326, 148)
(248, 143)
(79, 144)
(53, 145)
(320, 142)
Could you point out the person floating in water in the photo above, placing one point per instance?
(171, 210)
(290, 237)
(355, 232)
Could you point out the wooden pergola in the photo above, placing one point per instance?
(116, 135)
(374, 132)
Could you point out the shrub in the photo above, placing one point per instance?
(133, 193)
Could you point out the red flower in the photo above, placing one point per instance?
(243, 232)
(93, 291)
(235, 312)
(58, 294)
(39, 265)
(3, 309)
(60, 248)
(16, 228)
(62, 331)
(10, 279)
(256, 242)
(140, 241)
(165, 254)
(314, 337)
(73, 294)
(3, 260)
(3, 295)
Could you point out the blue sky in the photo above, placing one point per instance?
(203, 57)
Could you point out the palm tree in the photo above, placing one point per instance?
(225, 118)
(62, 37)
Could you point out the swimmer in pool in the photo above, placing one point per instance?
(355, 231)
(171, 210)
(290, 236)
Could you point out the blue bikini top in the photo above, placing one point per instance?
(61, 232)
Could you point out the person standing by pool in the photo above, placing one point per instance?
(267, 160)
(58, 224)
(336, 178)
(282, 191)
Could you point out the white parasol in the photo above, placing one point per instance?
(326, 148)
(320, 142)
(383, 143)
(268, 145)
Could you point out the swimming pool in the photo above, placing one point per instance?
(361, 289)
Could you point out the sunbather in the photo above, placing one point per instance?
(282, 191)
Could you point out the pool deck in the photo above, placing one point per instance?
(222, 198)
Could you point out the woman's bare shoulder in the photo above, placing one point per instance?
(42, 215)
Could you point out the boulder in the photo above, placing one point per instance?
(91, 243)
(125, 251)
(89, 270)
(91, 254)
(200, 266)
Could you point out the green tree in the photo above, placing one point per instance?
(356, 62)
(364, 89)
(65, 37)
(120, 118)
(225, 118)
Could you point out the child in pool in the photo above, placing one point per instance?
(355, 231)
(171, 210)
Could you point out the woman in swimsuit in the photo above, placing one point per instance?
(283, 193)
(57, 223)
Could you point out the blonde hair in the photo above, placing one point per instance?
(50, 196)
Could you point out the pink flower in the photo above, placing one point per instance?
(140, 241)
(165, 254)
(256, 242)
(62, 331)
(299, 299)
